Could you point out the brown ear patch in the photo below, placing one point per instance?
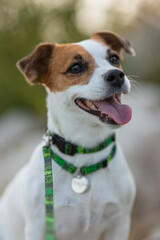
(115, 41)
(35, 66)
(48, 63)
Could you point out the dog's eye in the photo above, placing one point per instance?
(114, 58)
(76, 68)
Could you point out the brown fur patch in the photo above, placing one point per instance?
(114, 41)
(64, 55)
(34, 67)
(48, 64)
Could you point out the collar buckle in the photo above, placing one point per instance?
(71, 149)
(63, 145)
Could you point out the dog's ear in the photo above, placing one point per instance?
(115, 41)
(35, 66)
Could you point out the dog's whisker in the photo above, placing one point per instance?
(135, 76)
(134, 83)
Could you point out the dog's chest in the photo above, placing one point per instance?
(109, 194)
(80, 214)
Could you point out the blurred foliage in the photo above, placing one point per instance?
(19, 32)
(24, 24)
(21, 29)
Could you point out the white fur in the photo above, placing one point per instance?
(104, 210)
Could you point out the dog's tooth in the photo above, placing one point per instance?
(90, 105)
(93, 107)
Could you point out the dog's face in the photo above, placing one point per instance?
(86, 77)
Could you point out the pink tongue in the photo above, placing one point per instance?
(120, 113)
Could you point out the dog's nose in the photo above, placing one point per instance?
(115, 78)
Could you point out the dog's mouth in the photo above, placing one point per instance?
(109, 110)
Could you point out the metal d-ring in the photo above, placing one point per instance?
(78, 173)
(47, 138)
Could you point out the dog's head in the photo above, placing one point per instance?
(85, 77)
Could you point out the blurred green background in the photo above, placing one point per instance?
(24, 24)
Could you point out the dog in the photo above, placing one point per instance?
(84, 83)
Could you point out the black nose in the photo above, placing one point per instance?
(115, 78)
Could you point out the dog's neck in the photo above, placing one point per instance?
(73, 126)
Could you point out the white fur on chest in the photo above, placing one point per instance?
(79, 216)
(108, 195)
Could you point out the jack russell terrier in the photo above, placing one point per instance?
(94, 189)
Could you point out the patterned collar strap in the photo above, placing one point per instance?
(71, 149)
(83, 170)
(48, 155)
(49, 201)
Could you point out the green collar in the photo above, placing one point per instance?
(83, 170)
(69, 148)
(49, 155)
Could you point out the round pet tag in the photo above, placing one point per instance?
(80, 184)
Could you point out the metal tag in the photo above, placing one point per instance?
(80, 184)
